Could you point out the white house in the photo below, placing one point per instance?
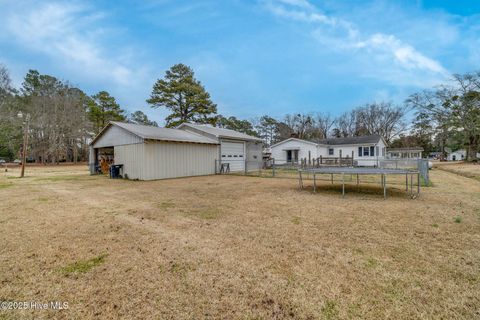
(366, 150)
(457, 155)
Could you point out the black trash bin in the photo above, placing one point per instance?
(115, 171)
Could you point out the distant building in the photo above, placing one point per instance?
(405, 153)
(458, 155)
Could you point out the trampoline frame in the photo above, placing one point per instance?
(363, 171)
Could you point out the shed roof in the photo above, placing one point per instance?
(156, 133)
(220, 132)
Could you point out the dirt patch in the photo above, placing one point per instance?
(238, 247)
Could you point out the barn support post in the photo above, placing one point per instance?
(406, 182)
(314, 183)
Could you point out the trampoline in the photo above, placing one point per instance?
(383, 172)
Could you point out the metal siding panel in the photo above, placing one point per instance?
(131, 156)
(171, 160)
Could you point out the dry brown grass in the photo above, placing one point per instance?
(469, 170)
(237, 248)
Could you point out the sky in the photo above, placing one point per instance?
(254, 57)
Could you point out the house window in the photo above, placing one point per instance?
(366, 152)
(377, 150)
(372, 151)
(330, 151)
(359, 151)
(383, 152)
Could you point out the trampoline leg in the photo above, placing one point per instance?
(418, 186)
(411, 184)
(300, 181)
(314, 184)
(384, 178)
(343, 185)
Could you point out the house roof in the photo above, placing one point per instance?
(292, 139)
(220, 132)
(156, 133)
(404, 149)
(374, 138)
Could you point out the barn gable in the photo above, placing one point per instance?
(113, 135)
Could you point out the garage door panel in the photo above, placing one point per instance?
(234, 154)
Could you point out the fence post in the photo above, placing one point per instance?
(321, 160)
(352, 158)
(340, 159)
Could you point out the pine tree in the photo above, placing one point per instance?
(102, 108)
(184, 96)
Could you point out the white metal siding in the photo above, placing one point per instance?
(132, 158)
(116, 136)
(170, 160)
(234, 154)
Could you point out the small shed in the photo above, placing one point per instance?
(149, 153)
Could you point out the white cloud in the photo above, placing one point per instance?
(67, 33)
(342, 35)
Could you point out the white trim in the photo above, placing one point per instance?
(290, 139)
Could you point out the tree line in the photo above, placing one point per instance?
(64, 118)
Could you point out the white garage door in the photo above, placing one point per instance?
(234, 154)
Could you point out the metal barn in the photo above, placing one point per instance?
(150, 153)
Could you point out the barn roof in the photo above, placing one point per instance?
(156, 133)
(220, 132)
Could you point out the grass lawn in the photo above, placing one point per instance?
(470, 170)
(235, 247)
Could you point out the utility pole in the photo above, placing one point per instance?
(25, 141)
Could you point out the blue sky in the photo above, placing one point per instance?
(255, 57)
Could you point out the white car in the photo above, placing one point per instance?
(17, 161)
(2, 161)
